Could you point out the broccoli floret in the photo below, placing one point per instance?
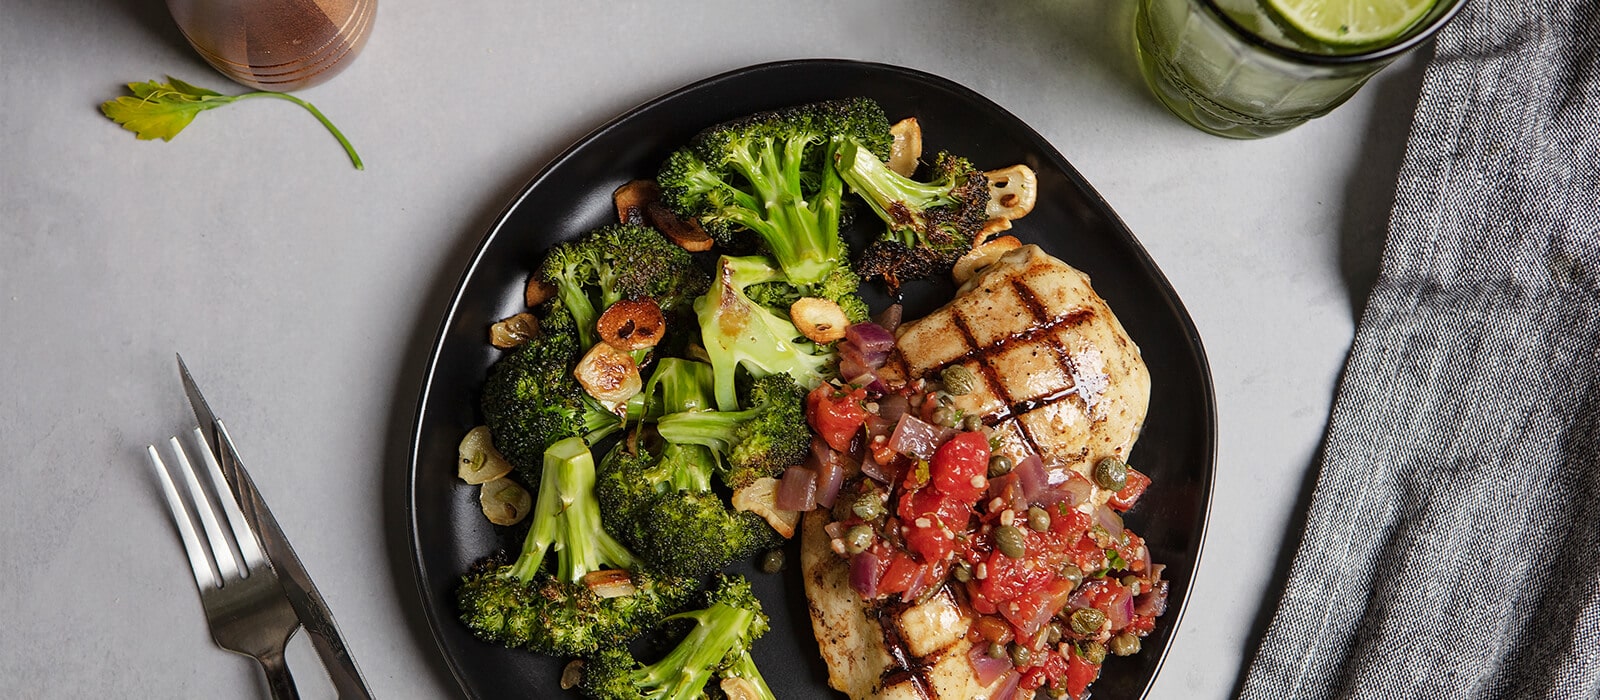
(556, 611)
(616, 262)
(531, 399)
(930, 224)
(660, 499)
(840, 286)
(739, 332)
(717, 647)
(776, 174)
(762, 440)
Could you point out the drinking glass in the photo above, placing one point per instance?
(1227, 67)
(277, 45)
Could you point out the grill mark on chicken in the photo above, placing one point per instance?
(907, 668)
(981, 355)
(1087, 391)
(1045, 327)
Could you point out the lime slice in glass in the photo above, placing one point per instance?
(1351, 22)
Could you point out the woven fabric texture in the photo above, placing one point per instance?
(1452, 548)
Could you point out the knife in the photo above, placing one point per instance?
(302, 593)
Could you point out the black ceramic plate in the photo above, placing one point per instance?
(573, 194)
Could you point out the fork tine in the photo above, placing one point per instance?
(204, 576)
(208, 517)
(249, 548)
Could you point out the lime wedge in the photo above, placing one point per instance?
(1351, 22)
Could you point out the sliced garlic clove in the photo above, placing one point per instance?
(504, 501)
(907, 146)
(1012, 192)
(478, 460)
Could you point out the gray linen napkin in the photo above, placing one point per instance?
(1452, 549)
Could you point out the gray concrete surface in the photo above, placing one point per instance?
(303, 292)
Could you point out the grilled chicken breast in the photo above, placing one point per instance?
(1060, 378)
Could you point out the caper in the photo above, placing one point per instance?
(1133, 584)
(958, 380)
(1052, 633)
(1020, 656)
(772, 561)
(867, 506)
(1010, 541)
(1000, 465)
(1072, 573)
(1125, 644)
(944, 398)
(1087, 621)
(972, 423)
(1055, 692)
(947, 416)
(1094, 652)
(1111, 474)
(996, 650)
(963, 573)
(1038, 519)
(857, 539)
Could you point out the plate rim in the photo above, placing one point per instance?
(1046, 149)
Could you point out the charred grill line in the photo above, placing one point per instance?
(981, 356)
(1064, 359)
(907, 668)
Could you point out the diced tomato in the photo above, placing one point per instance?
(1088, 555)
(1130, 493)
(836, 414)
(960, 466)
(1129, 552)
(980, 604)
(1069, 523)
(1141, 625)
(1080, 673)
(1008, 578)
(929, 521)
(1055, 668)
(1030, 611)
(902, 571)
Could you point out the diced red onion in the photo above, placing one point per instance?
(1030, 474)
(835, 530)
(1109, 520)
(889, 318)
(1085, 594)
(874, 341)
(865, 570)
(914, 438)
(830, 476)
(1120, 612)
(1152, 602)
(986, 668)
(1156, 571)
(855, 372)
(1141, 563)
(893, 406)
(1009, 491)
(1008, 689)
(797, 490)
(871, 468)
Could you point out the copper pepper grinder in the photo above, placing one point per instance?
(277, 45)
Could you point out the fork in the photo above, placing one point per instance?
(245, 607)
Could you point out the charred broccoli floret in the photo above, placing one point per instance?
(531, 399)
(930, 224)
(595, 593)
(616, 262)
(775, 174)
(660, 497)
(717, 647)
(763, 439)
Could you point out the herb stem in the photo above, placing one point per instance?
(354, 159)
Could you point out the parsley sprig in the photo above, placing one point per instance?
(160, 110)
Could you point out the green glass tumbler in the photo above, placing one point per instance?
(1227, 66)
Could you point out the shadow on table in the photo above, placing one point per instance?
(1368, 198)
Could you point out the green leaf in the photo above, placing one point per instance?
(161, 110)
(1115, 560)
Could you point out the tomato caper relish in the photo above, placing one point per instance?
(1052, 580)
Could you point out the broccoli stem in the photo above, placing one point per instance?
(712, 429)
(684, 672)
(745, 667)
(581, 307)
(566, 518)
(893, 197)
